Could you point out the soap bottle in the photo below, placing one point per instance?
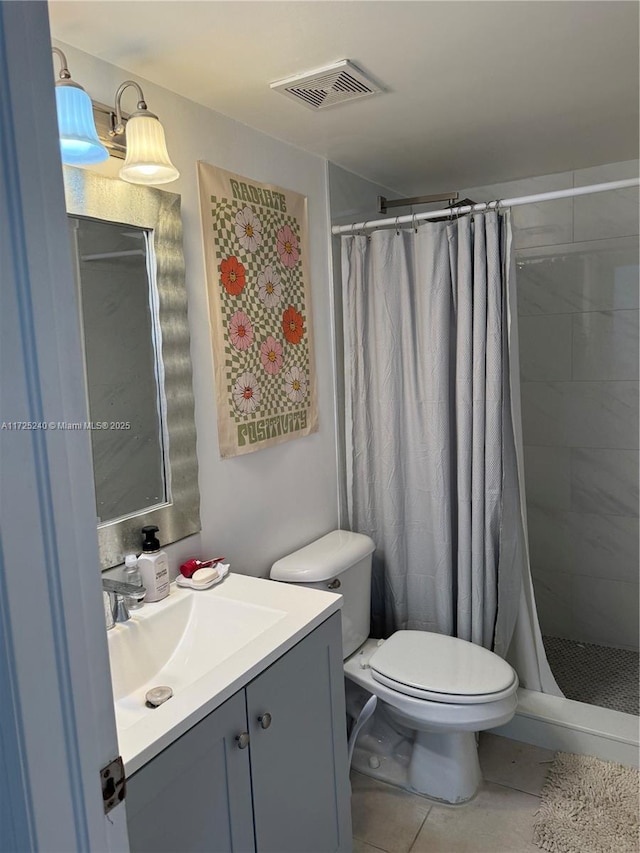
(132, 575)
(154, 566)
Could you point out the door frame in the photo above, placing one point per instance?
(57, 723)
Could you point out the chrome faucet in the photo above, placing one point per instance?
(117, 610)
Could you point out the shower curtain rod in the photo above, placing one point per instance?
(392, 222)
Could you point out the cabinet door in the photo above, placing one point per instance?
(301, 795)
(196, 795)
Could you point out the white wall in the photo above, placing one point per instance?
(577, 281)
(353, 198)
(257, 507)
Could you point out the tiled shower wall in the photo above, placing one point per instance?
(577, 277)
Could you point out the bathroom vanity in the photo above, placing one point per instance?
(250, 753)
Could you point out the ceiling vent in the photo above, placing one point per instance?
(328, 86)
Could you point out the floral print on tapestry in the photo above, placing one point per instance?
(256, 251)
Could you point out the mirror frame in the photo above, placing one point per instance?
(94, 196)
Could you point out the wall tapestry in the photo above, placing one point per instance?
(257, 264)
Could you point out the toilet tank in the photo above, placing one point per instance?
(338, 562)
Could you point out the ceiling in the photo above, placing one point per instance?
(476, 91)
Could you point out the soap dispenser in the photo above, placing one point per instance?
(153, 565)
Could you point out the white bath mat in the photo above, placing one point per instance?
(588, 806)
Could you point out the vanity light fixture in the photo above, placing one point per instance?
(147, 159)
(79, 143)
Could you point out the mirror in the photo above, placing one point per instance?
(127, 244)
(120, 331)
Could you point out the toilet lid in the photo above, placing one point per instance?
(420, 663)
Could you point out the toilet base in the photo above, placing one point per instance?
(455, 767)
(442, 766)
(445, 766)
(385, 762)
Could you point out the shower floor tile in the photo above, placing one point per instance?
(597, 675)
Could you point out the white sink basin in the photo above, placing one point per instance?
(205, 645)
(177, 644)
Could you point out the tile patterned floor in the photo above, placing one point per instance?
(498, 820)
(598, 675)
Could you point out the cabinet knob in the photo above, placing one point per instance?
(243, 740)
(265, 720)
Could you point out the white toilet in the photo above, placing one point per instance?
(434, 692)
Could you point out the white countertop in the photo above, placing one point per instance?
(296, 611)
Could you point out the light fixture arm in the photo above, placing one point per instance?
(118, 128)
(64, 73)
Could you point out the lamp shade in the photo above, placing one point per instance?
(79, 143)
(147, 160)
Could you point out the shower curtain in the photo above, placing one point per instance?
(432, 461)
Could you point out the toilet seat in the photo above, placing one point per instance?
(439, 668)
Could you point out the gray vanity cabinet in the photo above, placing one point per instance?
(288, 792)
(195, 795)
(301, 796)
